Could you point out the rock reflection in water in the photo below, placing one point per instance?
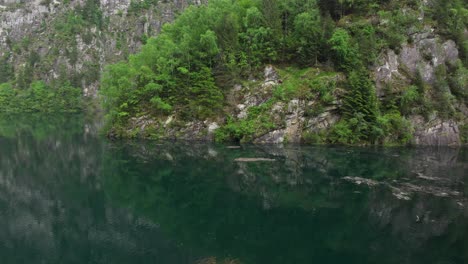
(52, 206)
(299, 207)
(68, 196)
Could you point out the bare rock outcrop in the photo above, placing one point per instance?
(436, 133)
(421, 57)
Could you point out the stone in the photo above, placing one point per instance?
(422, 56)
(437, 133)
(252, 159)
(168, 120)
(34, 19)
(273, 137)
(360, 180)
(270, 74)
(212, 127)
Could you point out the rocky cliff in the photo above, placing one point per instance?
(395, 78)
(294, 121)
(75, 39)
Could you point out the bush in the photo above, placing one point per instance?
(464, 133)
(409, 99)
(395, 129)
(257, 123)
(39, 97)
(342, 133)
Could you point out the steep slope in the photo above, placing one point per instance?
(60, 41)
(347, 72)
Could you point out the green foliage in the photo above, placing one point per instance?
(78, 21)
(71, 25)
(39, 97)
(207, 98)
(345, 52)
(307, 84)
(362, 122)
(458, 82)
(395, 25)
(345, 132)
(314, 137)
(452, 16)
(309, 36)
(360, 97)
(452, 19)
(92, 13)
(231, 38)
(395, 129)
(338, 8)
(185, 69)
(409, 99)
(464, 133)
(365, 35)
(137, 6)
(258, 122)
(442, 95)
(6, 70)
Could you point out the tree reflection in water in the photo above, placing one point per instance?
(68, 196)
(298, 208)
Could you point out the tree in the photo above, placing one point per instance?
(345, 52)
(308, 34)
(6, 70)
(207, 99)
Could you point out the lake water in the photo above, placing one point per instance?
(68, 195)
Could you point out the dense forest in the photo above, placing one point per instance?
(190, 66)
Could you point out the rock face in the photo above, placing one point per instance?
(421, 57)
(30, 28)
(291, 120)
(294, 121)
(437, 133)
(39, 27)
(172, 129)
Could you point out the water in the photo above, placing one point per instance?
(70, 196)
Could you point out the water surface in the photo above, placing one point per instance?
(70, 196)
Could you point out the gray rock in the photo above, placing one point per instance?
(270, 74)
(420, 57)
(257, 95)
(274, 137)
(253, 159)
(34, 20)
(437, 133)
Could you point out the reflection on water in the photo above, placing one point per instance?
(68, 196)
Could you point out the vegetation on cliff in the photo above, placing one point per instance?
(187, 73)
(21, 86)
(189, 67)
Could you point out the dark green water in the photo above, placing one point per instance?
(69, 196)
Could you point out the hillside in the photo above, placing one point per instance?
(330, 72)
(52, 52)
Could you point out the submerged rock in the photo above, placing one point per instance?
(253, 159)
(359, 181)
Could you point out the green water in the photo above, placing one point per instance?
(70, 196)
